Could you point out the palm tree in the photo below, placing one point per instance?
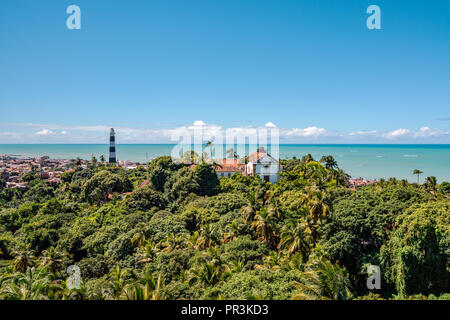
(94, 161)
(216, 258)
(418, 172)
(431, 183)
(215, 165)
(308, 158)
(31, 285)
(323, 280)
(148, 288)
(190, 157)
(271, 261)
(330, 162)
(147, 252)
(252, 207)
(237, 266)
(192, 240)
(264, 224)
(234, 229)
(138, 239)
(53, 259)
(206, 275)
(72, 294)
(273, 203)
(116, 281)
(340, 177)
(309, 288)
(23, 258)
(209, 145)
(295, 237)
(173, 242)
(294, 262)
(315, 201)
(207, 238)
(317, 174)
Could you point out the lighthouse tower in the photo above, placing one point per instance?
(112, 147)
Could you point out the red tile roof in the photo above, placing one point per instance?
(228, 161)
(256, 156)
(230, 168)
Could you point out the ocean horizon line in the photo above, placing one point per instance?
(359, 160)
(284, 144)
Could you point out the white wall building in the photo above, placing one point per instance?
(264, 165)
(228, 167)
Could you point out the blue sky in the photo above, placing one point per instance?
(312, 68)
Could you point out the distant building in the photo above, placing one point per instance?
(264, 165)
(360, 182)
(228, 167)
(112, 147)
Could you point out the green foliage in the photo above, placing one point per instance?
(163, 223)
(239, 184)
(144, 199)
(416, 258)
(103, 183)
(250, 252)
(32, 178)
(39, 193)
(160, 170)
(173, 231)
(262, 284)
(171, 264)
(444, 187)
(360, 224)
(207, 180)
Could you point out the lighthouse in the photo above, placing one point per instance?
(112, 147)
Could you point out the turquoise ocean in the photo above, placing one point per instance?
(367, 161)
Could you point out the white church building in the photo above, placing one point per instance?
(264, 165)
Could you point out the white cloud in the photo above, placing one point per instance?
(363, 133)
(199, 123)
(396, 133)
(24, 133)
(428, 132)
(312, 132)
(44, 132)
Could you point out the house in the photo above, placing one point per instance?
(228, 167)
(359, 182)
(264, 165)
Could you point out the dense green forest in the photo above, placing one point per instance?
(173, 232)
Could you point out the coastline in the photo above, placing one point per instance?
(368, 161)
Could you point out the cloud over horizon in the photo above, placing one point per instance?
(53, 133)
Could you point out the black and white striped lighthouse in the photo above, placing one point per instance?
(112, 147)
